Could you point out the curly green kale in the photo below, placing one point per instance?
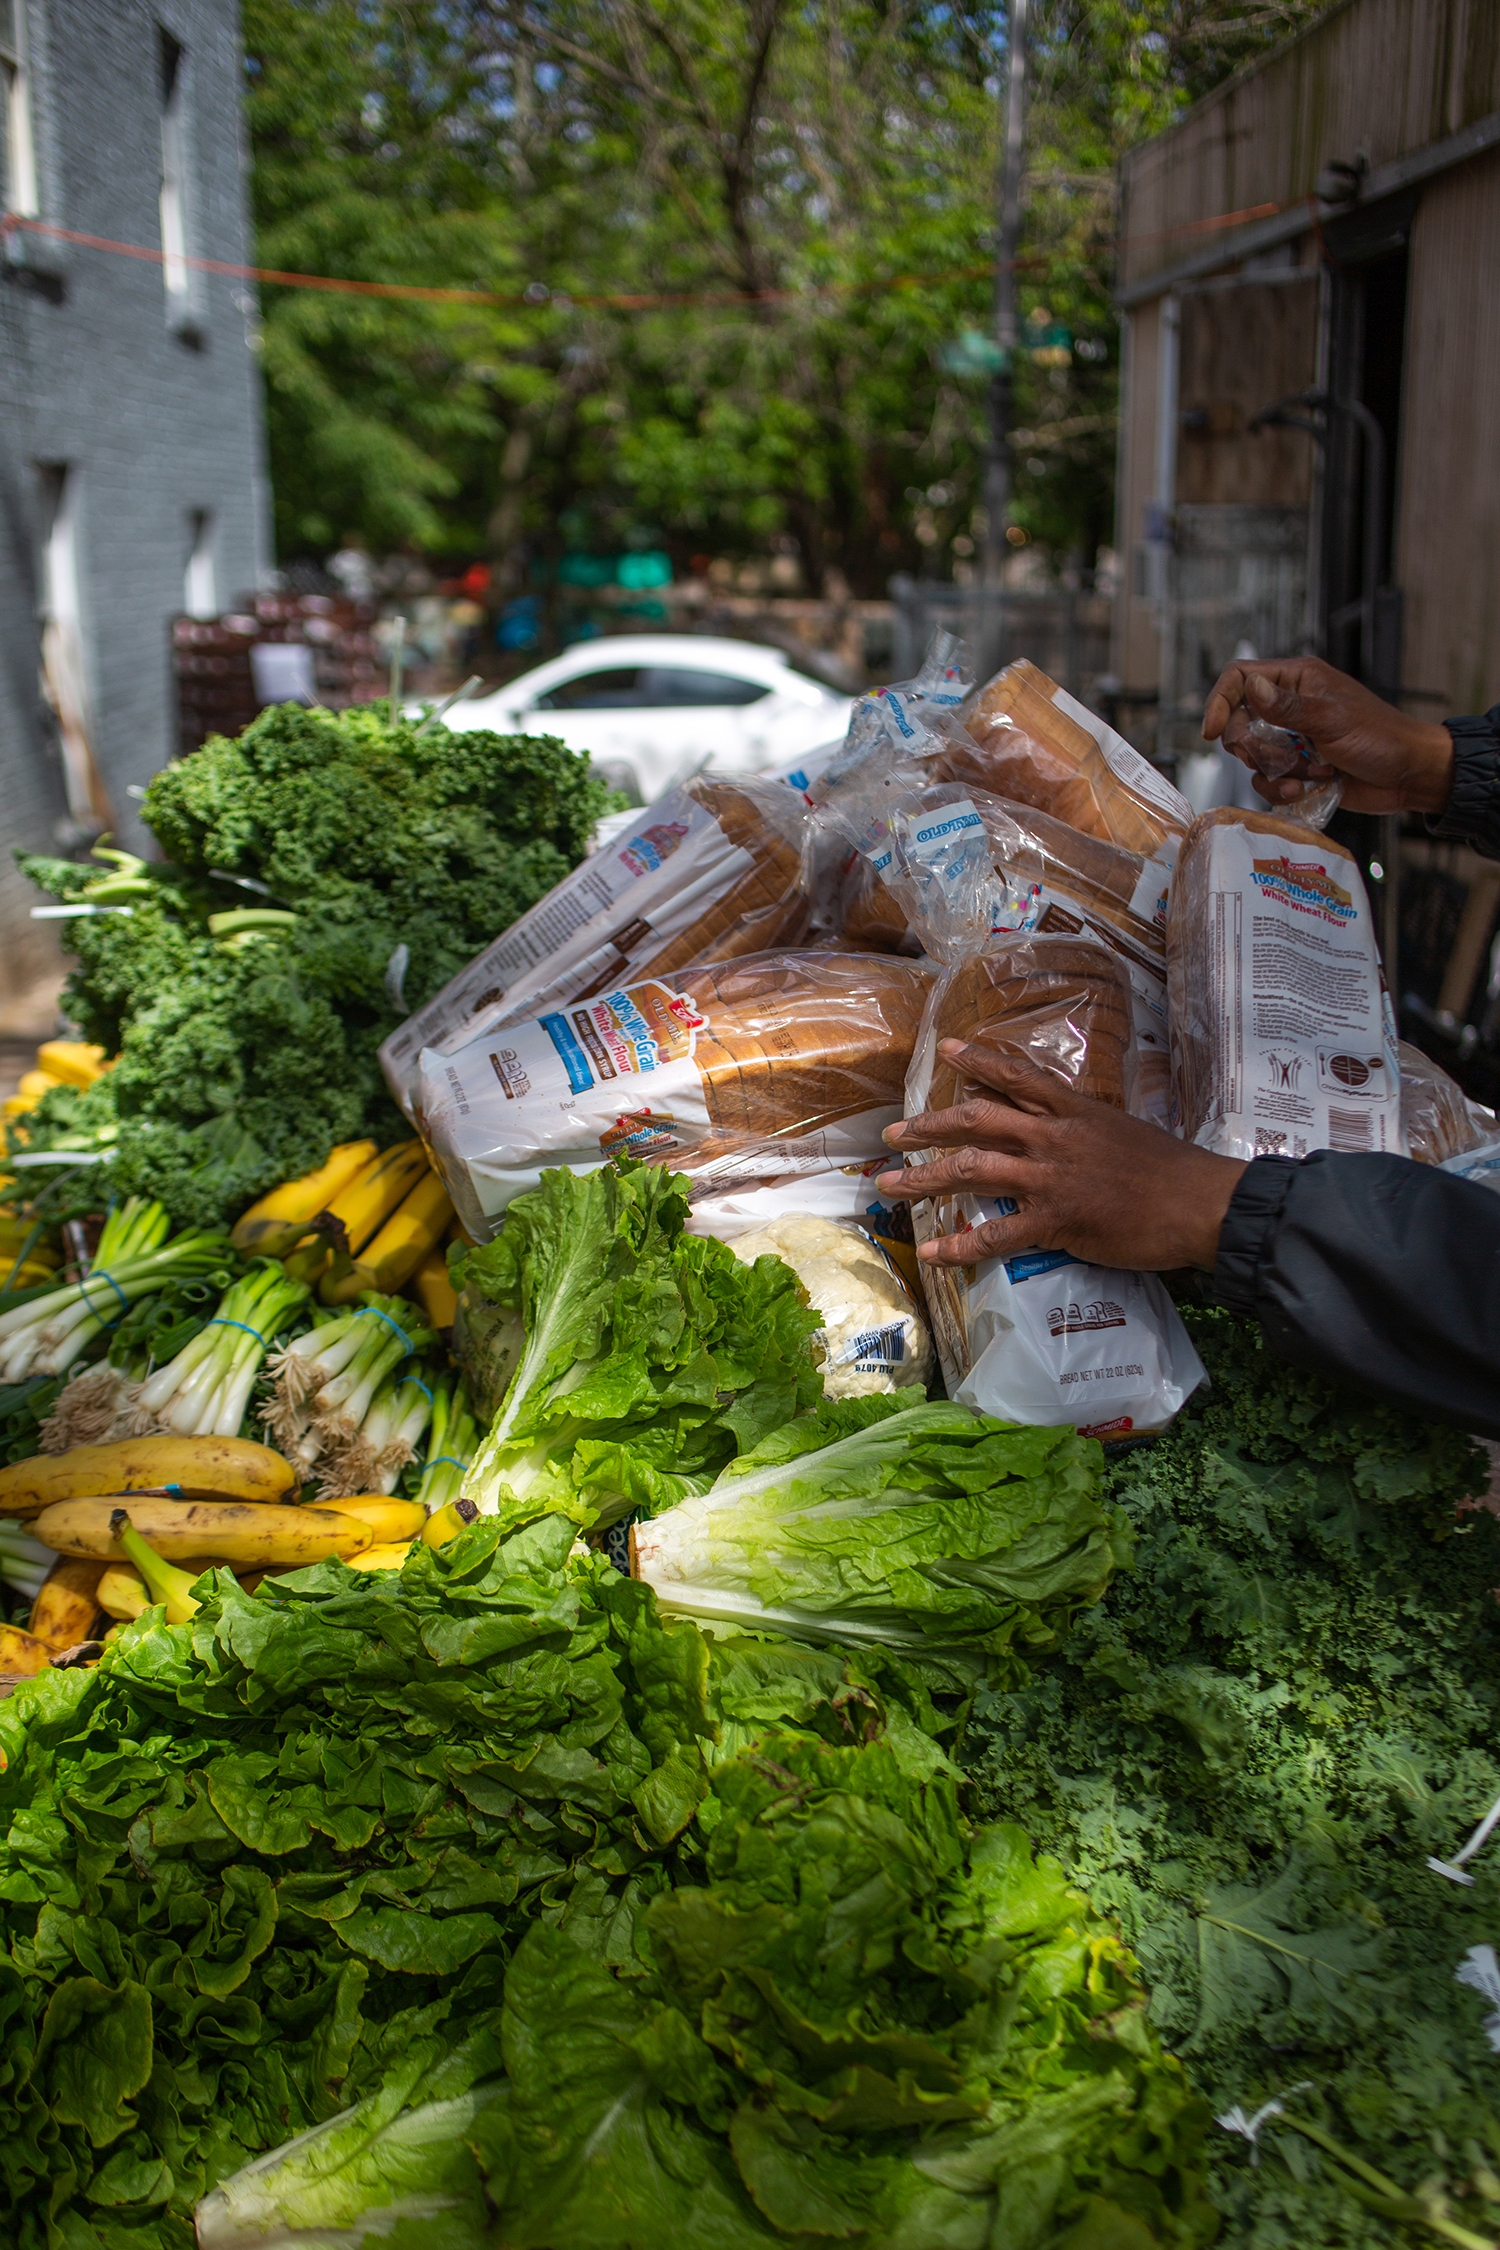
(243, 1059)
(441, 840)
(1248, 1753)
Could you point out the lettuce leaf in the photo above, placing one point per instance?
(650, 1357)
(909, 1528)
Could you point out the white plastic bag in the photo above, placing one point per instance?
(711, 871)
(1043, 1337)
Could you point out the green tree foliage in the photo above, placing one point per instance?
(780, 168)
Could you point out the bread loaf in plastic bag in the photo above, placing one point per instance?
(1283, 1039)
(1038, 746)
(710, 871)
(1438, 1117)
(1043, 1336)
(744, 1070)
(959, 867)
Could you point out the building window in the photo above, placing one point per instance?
(17, 149)
(173, 175)
(64, 666)
(199, 592)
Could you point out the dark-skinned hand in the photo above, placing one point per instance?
(1111, 1189)
(1390, 761)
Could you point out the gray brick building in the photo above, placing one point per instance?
(131, 454)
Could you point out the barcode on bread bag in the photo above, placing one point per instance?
(1348, 1128)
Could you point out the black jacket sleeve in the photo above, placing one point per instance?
(1473, 814)
(1374, 1269)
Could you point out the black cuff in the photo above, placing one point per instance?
(1476, 777)
(1245, 1237)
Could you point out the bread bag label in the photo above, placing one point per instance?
(1045, 1337)
(658, 875)
(1301, 1044)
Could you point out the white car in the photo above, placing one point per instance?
(652, 708)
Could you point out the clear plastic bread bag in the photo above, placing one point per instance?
(1037, 745)
(1439, 1119)
(740, 1072)
(713, 869)
(896, 742)
(1041, 1336)
(925, 879)
(1275, 753)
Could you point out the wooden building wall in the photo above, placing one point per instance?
(1374, 80)
(1448, 499)
(1377, 78)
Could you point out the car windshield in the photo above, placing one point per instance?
(618, 689)
(651, 687)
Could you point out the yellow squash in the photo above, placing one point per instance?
(385, 1519)
(279, 1220)
(34, 1083)
(391, 1257)
(246, 1535)
(64, 1611)
(210, 1467)
(72, 1062)
(433, 1290)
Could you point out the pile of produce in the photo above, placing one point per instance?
(499, 1760)
(324, 873)
(608, 1933)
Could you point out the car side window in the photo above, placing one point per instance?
(619, 689)
(668, 686)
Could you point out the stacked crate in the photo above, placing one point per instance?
(211, 657)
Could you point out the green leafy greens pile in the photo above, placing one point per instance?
(1248, 1754)
(246, 1054)
(624, 1360)
(670, 1931)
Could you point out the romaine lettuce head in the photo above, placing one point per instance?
(650, 1356)
(908, 1527)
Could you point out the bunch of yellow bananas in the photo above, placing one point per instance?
(59, 1062)
(366, 1219)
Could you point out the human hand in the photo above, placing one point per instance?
(1390, 761)
(1086, 1178)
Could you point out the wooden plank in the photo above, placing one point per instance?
(1470, 945)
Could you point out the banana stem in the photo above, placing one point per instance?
(165, 1582)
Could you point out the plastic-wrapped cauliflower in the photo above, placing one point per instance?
(876, 1338)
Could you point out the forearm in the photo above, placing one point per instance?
(1473, 809)
(1374, 1270)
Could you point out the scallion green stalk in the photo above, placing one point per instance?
(450, 1446)
(134, 1259)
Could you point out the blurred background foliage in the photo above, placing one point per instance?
(777, 168)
